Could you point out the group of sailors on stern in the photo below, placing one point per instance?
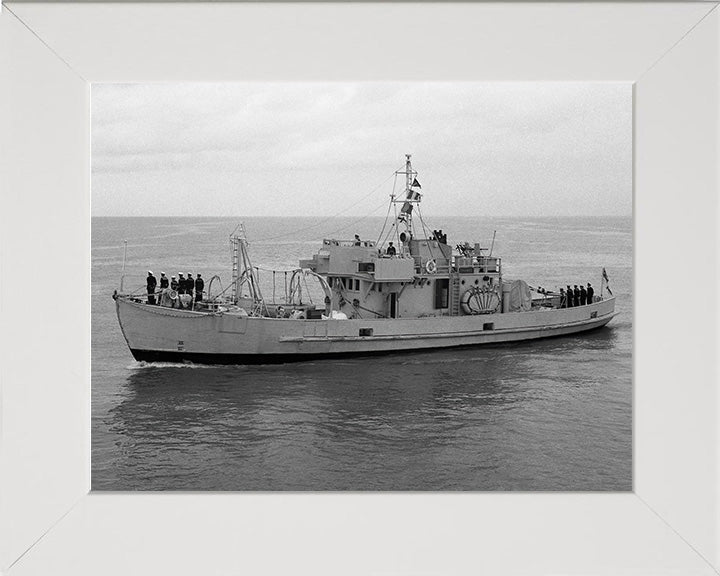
(575, 296)
(194, 287)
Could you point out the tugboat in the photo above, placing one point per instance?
(408, 291)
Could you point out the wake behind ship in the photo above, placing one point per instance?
(409, 290)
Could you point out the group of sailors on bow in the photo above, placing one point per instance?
(176, 292)
(572, 297)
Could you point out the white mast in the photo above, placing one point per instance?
(411, 198)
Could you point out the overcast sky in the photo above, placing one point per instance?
(496, 149)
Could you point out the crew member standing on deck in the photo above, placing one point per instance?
(182, 289)
(563, 301)
(357, 240)
(590, 294)
(569, 297)
(199, 287)
(576, 296)
(391, 250)
(151, 283)
(583, 295)
(190, 285)
(164, 298)
(174, 285)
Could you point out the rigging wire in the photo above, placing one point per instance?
(389, 232)
(354, 222)
(390, 205)
(425, 231)
(324, 220)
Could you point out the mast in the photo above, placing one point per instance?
(408, 172)
(412, 196)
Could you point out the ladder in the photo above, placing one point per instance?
(454, 296)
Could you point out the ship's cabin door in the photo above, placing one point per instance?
(393, 304)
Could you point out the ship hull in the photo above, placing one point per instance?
(155, 334)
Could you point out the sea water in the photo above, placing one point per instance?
(553, 414)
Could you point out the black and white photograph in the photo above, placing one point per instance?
(397, 286)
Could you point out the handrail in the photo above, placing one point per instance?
(349, 243)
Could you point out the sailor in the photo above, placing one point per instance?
(583, 295)
(357, 240)
(190, 283)
(590, 293)
(563, 302)
(576, 295)
(151, 283)
(163, 281)
(569, 297)
(174, 286)
(391, 250)
(199, 286)
(181, 283)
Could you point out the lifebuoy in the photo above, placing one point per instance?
(431, 266)
(173, 295)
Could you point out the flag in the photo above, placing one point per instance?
(407, 208)
(607, 281)
(416, 183)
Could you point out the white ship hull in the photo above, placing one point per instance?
(156, 333)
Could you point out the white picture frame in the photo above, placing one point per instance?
(51, 524)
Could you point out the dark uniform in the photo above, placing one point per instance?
(190, 282)
(199, 287)
(569, 296)
(181, 284)
(590, 294)
(391, 250)
(163, 281)
(576, 296)
(174, 285)
(151, 283)
(583, 296)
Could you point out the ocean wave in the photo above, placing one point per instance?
(141, 365)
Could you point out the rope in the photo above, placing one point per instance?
(354, 222)
(371, 311)
(425, 231)
(390, 205)
(274, 269)
(324, 220)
